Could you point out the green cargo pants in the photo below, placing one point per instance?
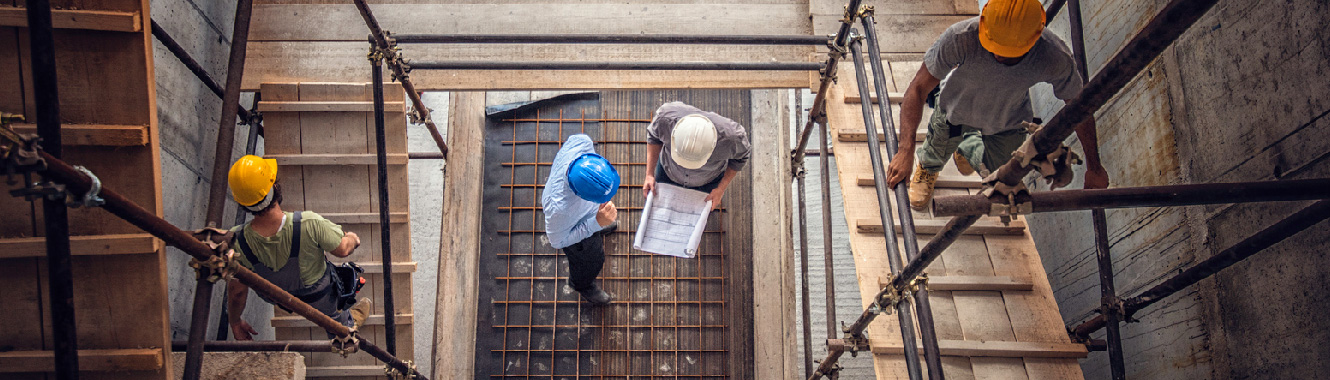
(984, 152)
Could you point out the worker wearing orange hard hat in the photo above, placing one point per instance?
(982, 109)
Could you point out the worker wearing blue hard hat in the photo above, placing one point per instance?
(578, 212)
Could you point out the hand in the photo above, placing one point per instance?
(607, 214)
(715, 197)
(901, 166)
(355, 237)
(242, 330)
(649, 185)
(1096, 177)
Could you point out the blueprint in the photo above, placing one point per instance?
(673, 221)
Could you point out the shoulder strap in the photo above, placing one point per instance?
(244, 248)
(295, 234)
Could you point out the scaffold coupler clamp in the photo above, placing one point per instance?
(19, 152)
(1054, 167)
(346, 345)
(395, 374)
(222, 264)
(1117, 306)
(92, 197)
(829, 372)
(1007, 200)
(864, 11)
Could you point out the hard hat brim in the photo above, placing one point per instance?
(1007, 51)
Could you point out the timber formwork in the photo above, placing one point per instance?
(671, 317)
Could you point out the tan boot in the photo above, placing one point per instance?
(962, 164)
(360, 312)
(921, 187)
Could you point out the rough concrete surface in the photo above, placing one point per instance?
(1239, 97)
(426, 213)
(247, 365)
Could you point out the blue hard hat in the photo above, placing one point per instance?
(593, 178)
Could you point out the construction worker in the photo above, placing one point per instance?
(695, 149)
(990, 63)
(578, 212)
(287, 249)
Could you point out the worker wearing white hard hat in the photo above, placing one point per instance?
(695, 149)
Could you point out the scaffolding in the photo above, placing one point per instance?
(907, 286)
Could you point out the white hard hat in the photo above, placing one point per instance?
(692, 141)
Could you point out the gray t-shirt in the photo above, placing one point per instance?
(989, 95)
(732, 149)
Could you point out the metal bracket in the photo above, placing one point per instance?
(91, 199)
(348, 345)
(864, 11)
(835, 368)
(1015, 200)
(394, 374)
(1116, 305)
(1055, 167)
(222, 264)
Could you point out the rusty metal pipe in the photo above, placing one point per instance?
(260, 346)
(533, 65)
(394, 61)
(230, 104)
(685, 39)
(1149, 196)
(193, 66)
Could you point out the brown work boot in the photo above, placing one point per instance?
(921, 187)
(360, 312)
(962, 164)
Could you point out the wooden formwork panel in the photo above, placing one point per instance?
(107, 103)
(325, 139)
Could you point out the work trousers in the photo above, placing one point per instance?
(661, 177)
(585, 258)
(984, 152)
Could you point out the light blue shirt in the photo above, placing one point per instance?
(568, 218)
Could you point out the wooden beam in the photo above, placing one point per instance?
(996, 349)
(943, 181)
(775, 347)
(848, 135)
(455, 318)
(89, 245)
(933, 226)
(895, 97)
(345, 371)
(398, 267)
(363, 217)
(993, 283)
(95, 134)
(336, 159)
(327, 106)
(111, 21)
(373, 320)
(131, 359)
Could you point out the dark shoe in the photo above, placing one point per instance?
(614, 226)
(595, 296)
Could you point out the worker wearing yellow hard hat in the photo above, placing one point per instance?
(982, 111)
(287, 249)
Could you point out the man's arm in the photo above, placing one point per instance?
(719, 192)
(349, 243)
(653, 157)
(236, 296)
(1095, 175)
(912, 111)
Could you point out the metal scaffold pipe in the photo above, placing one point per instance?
(261, 345)
(395, 62)
(385, 226)
(681, 39)
(1148, 196)
(698, 66)
(817, 110)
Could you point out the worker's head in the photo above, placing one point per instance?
(593, 178)
(1009, 28)
(692, 141)
(253, 183)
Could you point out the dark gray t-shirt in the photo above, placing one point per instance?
(980, 92)
(732, 149)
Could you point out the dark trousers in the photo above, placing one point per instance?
(661, 177)
(585, 258)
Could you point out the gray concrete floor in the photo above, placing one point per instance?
(847, 286)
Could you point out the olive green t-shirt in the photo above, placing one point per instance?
(317, 235)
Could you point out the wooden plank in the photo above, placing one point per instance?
(318, 159)
(837, 8)
(895, 97)
(849, 135)
(398, 267)
(103, 360)
(326, 106)
(345, 371)
(997, 349)
(775, 346)
(95, 134)
(899, 33)
(934, 226)
(295, 61)
(374, 319)
(309, 22)
(943, 181)
(949, 283)
(363, 217)
(111, 21)
(117, 244)
(459, 248)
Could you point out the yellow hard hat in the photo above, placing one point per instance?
(1009, 28)
(251, 179)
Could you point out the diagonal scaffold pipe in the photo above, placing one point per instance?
(75, 181)
(394, 60)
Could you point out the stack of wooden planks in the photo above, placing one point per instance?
(323, 137)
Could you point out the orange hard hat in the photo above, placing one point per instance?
(1009, 28)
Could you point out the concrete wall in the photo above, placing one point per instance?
(1241, 96)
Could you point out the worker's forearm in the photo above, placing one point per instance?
(912, 111)
(1087, 132)
(237, 295)
(653, 156)
(725, 179)
(344, 249)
